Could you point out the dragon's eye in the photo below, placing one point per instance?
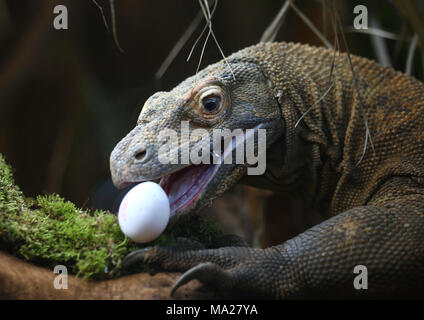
(208, 103)
(211, 100)
(211, 103)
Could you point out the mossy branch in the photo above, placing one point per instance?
(49, 231)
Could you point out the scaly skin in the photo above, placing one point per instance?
(373, 197)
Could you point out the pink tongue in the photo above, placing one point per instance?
(186, 184)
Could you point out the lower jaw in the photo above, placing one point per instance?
(185, 187)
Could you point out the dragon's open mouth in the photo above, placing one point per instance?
(185, 186)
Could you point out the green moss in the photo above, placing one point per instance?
(50, 231)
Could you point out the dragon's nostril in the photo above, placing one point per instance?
(140, 155)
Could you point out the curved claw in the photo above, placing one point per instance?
(208, 272)
(135, 256)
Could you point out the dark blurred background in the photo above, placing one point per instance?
(68, 96)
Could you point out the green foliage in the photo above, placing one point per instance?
(50, 231)
(11, 199)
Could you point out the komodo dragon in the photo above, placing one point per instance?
(370, 187)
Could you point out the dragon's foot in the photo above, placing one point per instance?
(228, 269)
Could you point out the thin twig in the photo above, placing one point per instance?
(102, 13)
(355, 80)
(178, 46)
(331, 79)
(399, 42)
(206, 12)
(207, 36)
(112, 17)
(113, 20)
(379, 44)
(271, 32)
(311, 25)
(336, 45)
(202, 52)
(413, 16)
(316, 102)
(411, 52)
(201, 33)
(375, 32)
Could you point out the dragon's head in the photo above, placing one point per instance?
(180, 131)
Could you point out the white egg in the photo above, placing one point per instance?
(144, 212)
